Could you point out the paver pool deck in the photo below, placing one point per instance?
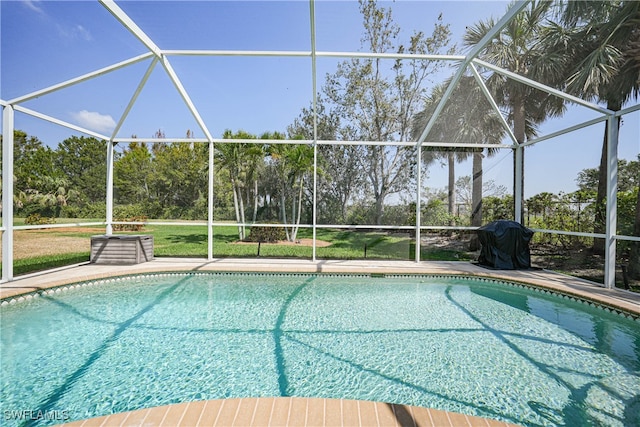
(281, 411)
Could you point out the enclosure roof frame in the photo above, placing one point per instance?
(157, 55)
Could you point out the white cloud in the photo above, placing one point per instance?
(74, 32)
(94, 121)
(83, 33)
(33, 5)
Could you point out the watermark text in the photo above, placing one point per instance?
(34, 415)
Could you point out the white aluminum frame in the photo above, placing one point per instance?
(156, 55)
(8, 121)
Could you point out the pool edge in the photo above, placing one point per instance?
(618, 299)
(297, 411)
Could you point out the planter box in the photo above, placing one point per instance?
(121, 249)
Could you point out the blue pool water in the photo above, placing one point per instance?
(467, 345)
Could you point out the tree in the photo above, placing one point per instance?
(628, 183)
(133, 171)
(339, 174)
(495, 208)
(82, 160)
(628, 177)
(445, 129)
(54, 195)
(541, 204)
(466, 118)
(292, 163)
(179, 179)
(598, 43)
(242, 161)
(377, 99)
(465, 191)
(634, 254)
(34, 168)
(518, 48)
(32, 161)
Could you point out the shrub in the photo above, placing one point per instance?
(37, 219)
(130, 227)
(266, 234)
(93, 210)
(128, 213)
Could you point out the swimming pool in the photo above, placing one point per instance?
(475, 346)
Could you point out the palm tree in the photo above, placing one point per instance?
(241, 161)
(444, 129)
(467, 117)
(599, 43)
(56, 193)
(293, 164)
(517, 48)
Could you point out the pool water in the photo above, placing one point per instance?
(467, 345)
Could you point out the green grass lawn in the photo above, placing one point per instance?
(191, 241)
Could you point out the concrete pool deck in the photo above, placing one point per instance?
(270, 411)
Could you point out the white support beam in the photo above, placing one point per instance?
(185, 97)
(165, 140)
(516, 8)
(374, 55)
(109, 188)
(565, 131)
(413, 144)
(59, 122)
(475, 51)
(294, 53)
(311, 142)
(132, 102)
(537, 85)
(418, 202)
(242, 53)
(80, 79)
(493, 103)
(611, 212)
(314, 97)
(131, 26)
(121, 16)
(7, 192)
(210, 203)
(628, 110)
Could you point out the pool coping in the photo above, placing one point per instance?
(286, 411)
(626, 302)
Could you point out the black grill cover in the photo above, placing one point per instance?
(505, 245)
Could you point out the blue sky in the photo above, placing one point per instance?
(47, 42)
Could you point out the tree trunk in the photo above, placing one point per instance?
(379, 209)
(600, 223)
(343, 206)
(451, 194)
(634, 256)
(243, 230)
(293, 216)
(294, 233)
(476, 199)
(283, 210)
(255, 200)
(235, 206)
